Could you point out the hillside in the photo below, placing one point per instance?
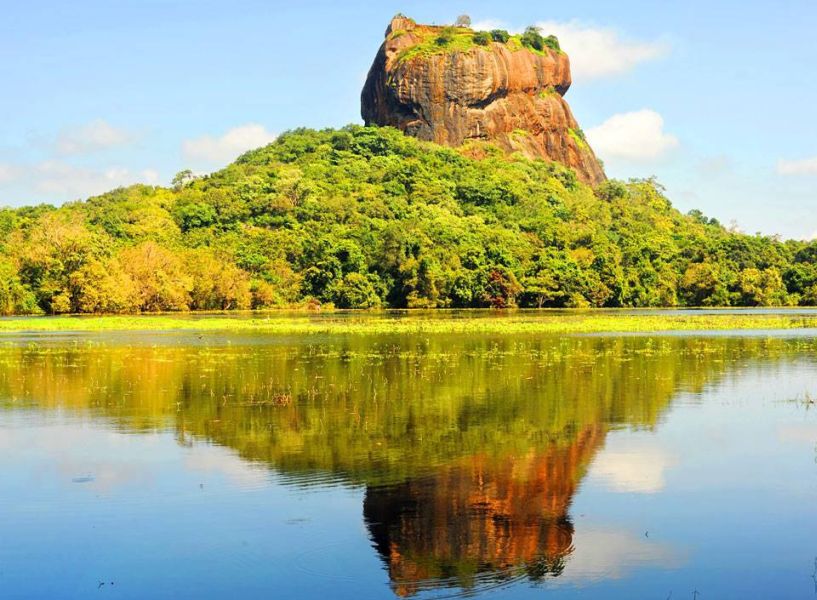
(367, 217)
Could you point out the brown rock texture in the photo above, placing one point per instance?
(503, 93)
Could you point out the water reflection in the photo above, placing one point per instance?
(470, 451)
(482, 521)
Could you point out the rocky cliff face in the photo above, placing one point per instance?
(439, 85)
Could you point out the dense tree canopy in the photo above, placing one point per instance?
(367, 217)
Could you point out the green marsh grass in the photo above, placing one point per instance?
(368, 323)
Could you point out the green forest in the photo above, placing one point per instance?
(365, 217)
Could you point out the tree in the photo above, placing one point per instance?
(15, 298)
(762, 288)
(183, 178)
(366, 216)
(59, 245)
(552, 42)
(463, 21)
(99, 287)
(264, 295)
(355, 290)
(532, 38)
(215, 283)
(501, 289)
(540, 289)
(157, 273)
(194, 215)
(701, 285)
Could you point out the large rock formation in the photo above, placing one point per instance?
(439, 85)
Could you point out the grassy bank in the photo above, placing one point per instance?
(426, 323)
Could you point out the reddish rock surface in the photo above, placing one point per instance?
(502, 93)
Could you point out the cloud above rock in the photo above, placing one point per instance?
(595, 52)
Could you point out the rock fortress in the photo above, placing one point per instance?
(453, 85)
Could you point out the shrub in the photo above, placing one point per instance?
(483, 38)
(500, 35)
(552, 42)
(578, 137)
(532, 38)
(446, 36)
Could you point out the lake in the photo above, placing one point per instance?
(213, 465)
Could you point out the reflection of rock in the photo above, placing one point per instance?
(482, 519)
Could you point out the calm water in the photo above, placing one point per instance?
(187, 466)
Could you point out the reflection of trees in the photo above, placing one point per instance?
(470, 449)
(374, 412)
(480, 520)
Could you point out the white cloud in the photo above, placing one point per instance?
(597, 52)
(212, 460)
(805, 166)
(488, 25)
(9, 173)
(150, 176)
(91, 137)
(640, 470)
(604, 553)
(637, 136)
(234, 142)
(61, 179)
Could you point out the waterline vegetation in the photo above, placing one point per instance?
(424, 322)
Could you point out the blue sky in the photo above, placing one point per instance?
(715, 99)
